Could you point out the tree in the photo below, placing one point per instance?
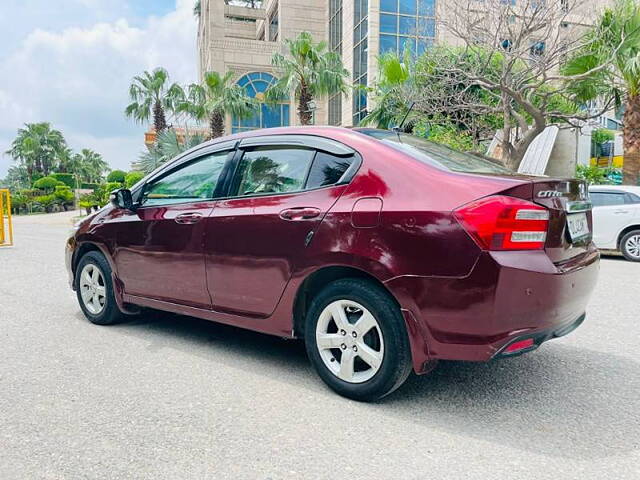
(152, 96)
(394, 87)
(64, 160)
(309, 71)
(17, 178)
(48, 184)
(509, 65)
(244, 3)
(37, 146)
(216, 97)
(614, 43)
(90, 166)
(116, 176)
(132, 178)
(167, 146)
(64, 196)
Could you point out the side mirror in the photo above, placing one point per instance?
(122, 198)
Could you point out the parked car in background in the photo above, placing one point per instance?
(383, 251)
(616, 219)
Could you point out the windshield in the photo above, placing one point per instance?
(435, 154)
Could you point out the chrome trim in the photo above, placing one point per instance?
(578, 206)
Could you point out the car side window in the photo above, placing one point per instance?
(327, 169)
(265, 170)
(633, 198)
(195, 181)
(606, 199)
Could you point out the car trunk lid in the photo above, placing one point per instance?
(569, 207)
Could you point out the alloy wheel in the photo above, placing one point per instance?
(92, 289)
(632, 246)
(349, 340)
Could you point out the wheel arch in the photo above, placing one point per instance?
(317, 280)
(624, 231)
(86, 247)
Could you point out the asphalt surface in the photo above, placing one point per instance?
(172, 397)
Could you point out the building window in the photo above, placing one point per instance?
(407, 25)
(335, 109)
(267, 116)
(335, 45)
(273, 24)
(360, 50)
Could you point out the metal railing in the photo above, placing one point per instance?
(6, 227)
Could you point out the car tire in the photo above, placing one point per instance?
(94, 290)
(383, 361)
(630, 246)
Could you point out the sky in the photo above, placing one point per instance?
(70, 63)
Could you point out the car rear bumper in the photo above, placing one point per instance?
(69, 249)
(506, 296)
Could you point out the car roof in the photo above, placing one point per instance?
(615, 188)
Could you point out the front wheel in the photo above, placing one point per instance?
(94, 290)
(630, 246)
(356, 339)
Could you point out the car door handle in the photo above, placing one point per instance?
(300, 213)
(188, 218)
(621, 211)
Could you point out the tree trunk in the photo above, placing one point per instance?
(216, 124)
(159, 120)
(303, 105)
(631, 167)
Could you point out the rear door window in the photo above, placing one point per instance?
(273, 170)
(606, 199)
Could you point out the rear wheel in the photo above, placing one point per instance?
(356, 339)
(94, 290)
(630, 246)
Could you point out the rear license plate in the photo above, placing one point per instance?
(578, 226)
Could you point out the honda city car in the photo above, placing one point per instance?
(383, 251)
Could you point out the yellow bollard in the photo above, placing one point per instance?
(6, 233)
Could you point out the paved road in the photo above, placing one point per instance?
(174, 397)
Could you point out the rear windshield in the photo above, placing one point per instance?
(435, 154)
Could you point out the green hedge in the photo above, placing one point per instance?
(92, 186)
(66, 178)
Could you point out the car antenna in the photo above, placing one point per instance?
(398, 128)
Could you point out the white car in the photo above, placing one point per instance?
(616, 219)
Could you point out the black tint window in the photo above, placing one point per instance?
(604, 199)
(327, 169)
(273, 170)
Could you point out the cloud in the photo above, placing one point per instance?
(78, 79)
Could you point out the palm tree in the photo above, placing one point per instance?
(616, 36)
(168, 145)
(215, 98)
(310, 71)
(152, 96)
(36, 147)
(64, 160)
(90, 166)
(395, 81)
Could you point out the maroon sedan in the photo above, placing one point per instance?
(384, 251)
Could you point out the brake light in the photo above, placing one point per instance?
(505, 223)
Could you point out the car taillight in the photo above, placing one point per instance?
(505, 223)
